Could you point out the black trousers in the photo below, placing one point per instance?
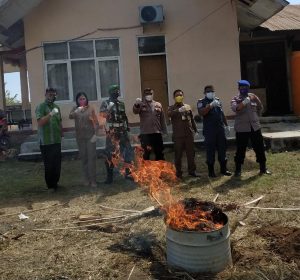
(152, 143)
(215, 140)
(257, 142)
(51, 155)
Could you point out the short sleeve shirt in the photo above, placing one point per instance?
(50, 133)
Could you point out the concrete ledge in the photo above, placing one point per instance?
(281, 141)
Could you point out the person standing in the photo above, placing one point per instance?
(184, 128)
(152, 124)
(49, 135)
(113, 110)
(214, 128)
(86, 126)
(247, 108)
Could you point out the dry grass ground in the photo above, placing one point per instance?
(267, 247)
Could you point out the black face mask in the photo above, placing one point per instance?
(114, 95)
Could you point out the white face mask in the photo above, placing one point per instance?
(210, 95)
(149, 97)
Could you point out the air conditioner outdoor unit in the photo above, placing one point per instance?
(151, 14)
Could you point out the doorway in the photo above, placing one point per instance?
(153, 72)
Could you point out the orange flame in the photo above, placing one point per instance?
(157, 177)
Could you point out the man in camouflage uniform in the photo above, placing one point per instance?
(116, 133)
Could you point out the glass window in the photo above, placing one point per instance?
(109, 75)
(58, 79)
(82, 49)
(55, 51)
(108, 47)
(84, 78)
(255, 73)
(152, 44)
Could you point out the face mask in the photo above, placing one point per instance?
(149, 97)
(244, 91)
(51, 98)
(178, 99)
(115, 95)
(82, 102)
(210, 95)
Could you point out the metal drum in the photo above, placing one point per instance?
(197, 251)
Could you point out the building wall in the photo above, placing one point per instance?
(201, 44)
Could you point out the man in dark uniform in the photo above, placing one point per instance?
(214, 128)
(184, 128)
(247, 108)
(116, 133)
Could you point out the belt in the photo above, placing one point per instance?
(116, 125)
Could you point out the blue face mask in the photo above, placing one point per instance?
(244, 91)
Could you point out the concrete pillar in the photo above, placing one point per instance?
(2, 87)
(24, 86)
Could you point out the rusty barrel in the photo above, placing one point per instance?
(197, 251)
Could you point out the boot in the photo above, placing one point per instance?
(224, 170)
(211, 171)
(263, 169)
(109, 175)
(238, 170)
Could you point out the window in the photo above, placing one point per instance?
(255, 73)
(151, 44)
(90, 66)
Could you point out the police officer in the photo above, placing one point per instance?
(116, 133)
(184, 128)
(247, 108)
(214, 128)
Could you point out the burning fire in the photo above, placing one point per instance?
(157, 177)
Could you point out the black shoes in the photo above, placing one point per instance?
(226, 173)
(266, 171)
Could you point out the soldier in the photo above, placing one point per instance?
(214, 128)
(117, 132)
(184, 127)
(152, 125)
(247, 108)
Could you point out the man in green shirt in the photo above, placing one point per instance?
(49, 135)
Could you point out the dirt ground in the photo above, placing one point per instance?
(266, 247)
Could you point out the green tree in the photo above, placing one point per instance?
(11, 99)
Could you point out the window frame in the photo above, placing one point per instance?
(96, 60)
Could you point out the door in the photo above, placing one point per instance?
(154, 75)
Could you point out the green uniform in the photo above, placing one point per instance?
(51, 132)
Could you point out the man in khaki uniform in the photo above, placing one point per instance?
(184, 128)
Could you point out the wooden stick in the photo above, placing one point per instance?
(30, 211)
(51, 229)
(119, 209)
(253, 201)
(107, 218)
(131, 272)
(273, 208)
(216, 197)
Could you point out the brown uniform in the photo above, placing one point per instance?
(184, 127)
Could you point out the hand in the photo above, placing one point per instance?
(93, 139)
(215, 103)
(138, 101)
(78, 110)
(187, 107)
(110, 105)
(53, 112)
(227, 131)
(182, 109)
(246, 100)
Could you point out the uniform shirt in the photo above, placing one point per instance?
(50, 133)
(214, 119)
(152, 117)
(248, 116)
(183, 123)
(116, 114)
(85, 122)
